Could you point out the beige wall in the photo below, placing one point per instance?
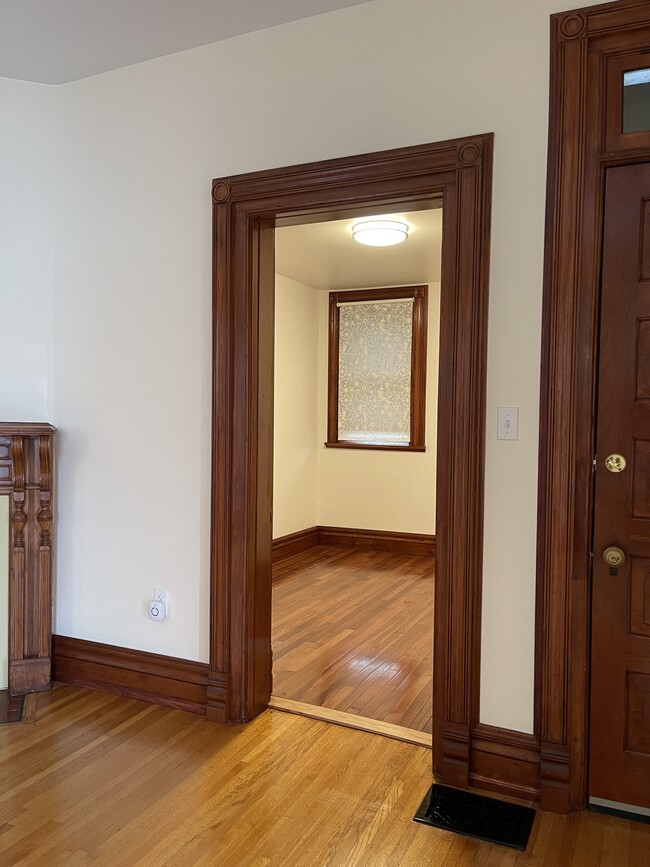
(295, 441)
(4, 590)
(370, 490)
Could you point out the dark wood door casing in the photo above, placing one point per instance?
(26, 475)
(584, 45)
(245, 210)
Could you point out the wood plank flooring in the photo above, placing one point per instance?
(353, 632)
(99, 779)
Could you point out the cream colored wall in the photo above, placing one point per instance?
(131, 155)
(375, 490)
(4, 591)
(295, 443)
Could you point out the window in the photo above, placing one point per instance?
(377, 369)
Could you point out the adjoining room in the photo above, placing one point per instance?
(356, 381)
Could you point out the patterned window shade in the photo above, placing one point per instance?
(374, 403)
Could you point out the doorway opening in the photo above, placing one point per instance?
(245, 213)
(356, 393)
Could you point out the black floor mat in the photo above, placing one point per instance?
(476, 816)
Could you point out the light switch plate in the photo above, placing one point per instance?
(508, 423)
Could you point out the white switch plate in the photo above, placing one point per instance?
(161, 595)
(508, 423)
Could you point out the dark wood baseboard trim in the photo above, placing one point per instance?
(505, 761)
(378, 540)
(501, 760)
(294, 543)
(347, 537)
(165, 680)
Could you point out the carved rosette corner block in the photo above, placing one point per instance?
(469, 153)
(221, 192)
(28, 482)
(573, 26)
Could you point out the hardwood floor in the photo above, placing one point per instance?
(100, 779)
(353, 631)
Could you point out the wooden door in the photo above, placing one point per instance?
(619, 764)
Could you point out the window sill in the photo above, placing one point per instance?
(374, 447)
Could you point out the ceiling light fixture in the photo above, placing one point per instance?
(380, 233)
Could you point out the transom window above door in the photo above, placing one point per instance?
(377, 368)
(636, 100)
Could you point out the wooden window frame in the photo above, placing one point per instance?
(418, 365)
(616, 66)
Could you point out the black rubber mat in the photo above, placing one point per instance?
(476, 816)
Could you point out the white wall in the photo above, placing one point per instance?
(296, 397)
(132, 154)
(377, 490)
(4, 592)
(313, 485)
(26, 226)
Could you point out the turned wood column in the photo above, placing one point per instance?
(26, 460)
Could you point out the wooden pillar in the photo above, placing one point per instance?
(26, 459)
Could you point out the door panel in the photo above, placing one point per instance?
(619, 768)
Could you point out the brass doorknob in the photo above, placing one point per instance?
(614, 557)
(615, 463)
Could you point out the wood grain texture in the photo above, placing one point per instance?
(103, 780)
(244, 207)
(507, 762)
(294, 543)
(581, 43)
(351, 721)
(18, 709)
(349, 537)
(26, 475)
(619, 732)
(151, 677)
(353, 632)
(420, 544)
(11, 707)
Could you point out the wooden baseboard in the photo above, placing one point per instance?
(502, 761)
(165, 680)
(348, 537)
(506, 762)
(294, 543)
(351, 721)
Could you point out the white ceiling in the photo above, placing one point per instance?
(325, 256)
(54, 41)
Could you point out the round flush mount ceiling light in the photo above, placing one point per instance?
(380, 233)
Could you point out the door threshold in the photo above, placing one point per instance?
(616, 808)
(352, 721)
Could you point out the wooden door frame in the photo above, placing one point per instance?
(245, 208)
(582, 43)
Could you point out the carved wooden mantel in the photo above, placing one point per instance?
(26, 462)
